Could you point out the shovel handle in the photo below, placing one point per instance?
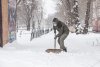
(55, 42)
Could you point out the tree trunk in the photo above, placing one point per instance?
(17, 3)
(87, 17)
(69, 11)
(28, 26)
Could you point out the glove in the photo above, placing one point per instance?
(54, 27)
(55, 37)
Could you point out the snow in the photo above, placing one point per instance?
(83, 51)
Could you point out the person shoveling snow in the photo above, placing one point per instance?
(63, 32)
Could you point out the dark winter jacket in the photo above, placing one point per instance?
(61, 28)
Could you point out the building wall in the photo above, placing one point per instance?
(0, 25)
(4, 21)
(12, 20)
(96, 15)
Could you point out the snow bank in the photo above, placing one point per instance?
(83, 51)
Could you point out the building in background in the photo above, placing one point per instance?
(96, 15)
(3, 22)
(7, 22)
(12, 20)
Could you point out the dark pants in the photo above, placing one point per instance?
(61, 40)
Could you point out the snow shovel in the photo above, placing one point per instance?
(54, 50)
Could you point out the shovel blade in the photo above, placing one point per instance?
(53, 50)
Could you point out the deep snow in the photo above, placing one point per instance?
(83, 51)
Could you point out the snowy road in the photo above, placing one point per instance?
(83, 51)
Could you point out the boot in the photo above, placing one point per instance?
(65, 50)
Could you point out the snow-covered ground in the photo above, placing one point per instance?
(83, 51)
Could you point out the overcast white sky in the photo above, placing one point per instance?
(49, 7)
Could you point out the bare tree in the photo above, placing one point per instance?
(29, 6)
(67, 7)
(18, 1)
(87, 16)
